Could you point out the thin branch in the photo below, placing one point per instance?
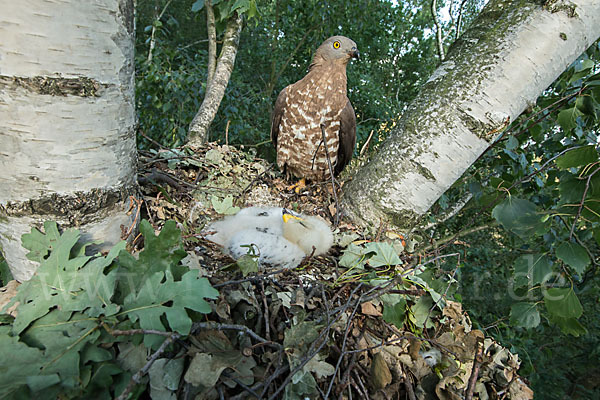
(131, 332)
(438, 31)
(408, 385)
(477, 360)
(334, 189)
(135, 379)
(459, 19)
(459, 205)
(152, 35)
(242, 328)
(366, 145)
(587, 186)
(550, 108)
(452, 238)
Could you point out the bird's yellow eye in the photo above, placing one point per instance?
(336, 45)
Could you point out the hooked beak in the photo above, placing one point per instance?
(354, 53)
(287, 215)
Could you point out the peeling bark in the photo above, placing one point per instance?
(198, 132)
(513, 51)
(67, 121)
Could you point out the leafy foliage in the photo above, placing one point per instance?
(540, 181)
(56, 341)
(397, 52)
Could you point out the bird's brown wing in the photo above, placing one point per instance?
(277, 114)
(347, 137)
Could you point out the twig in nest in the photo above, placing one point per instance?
(366, 145)
(477, 360)
(132, 204)
(337, 205)
(159, 176)
(348, 325)
(256, 179)
(219, 327)
(131, 332)
(252, 279)
(227, 132)
(362, 390)
(315, 347)
(266, 313)
(408, 385)
(135, 379)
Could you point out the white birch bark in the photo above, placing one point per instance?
(67, 120)
(513, 51)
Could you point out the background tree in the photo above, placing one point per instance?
(274, 52)
(66, 122)
(442, 134)
(218, 69)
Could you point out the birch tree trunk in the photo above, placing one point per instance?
(198, 132)
(67, 120)
(512, 52)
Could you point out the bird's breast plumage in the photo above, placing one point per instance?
(316, 100)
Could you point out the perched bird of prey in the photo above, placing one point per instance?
(317, 100)
(278, 236)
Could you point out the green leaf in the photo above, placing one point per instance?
(198, 5)
(519, 216)
(162, 296)
(570, 188)
(62, 336)
(384, 254)
(574, 255)
(40, 382)
(40, 244)
(225, 206)
(247, 263)
(536, 268)
(241, 6)
(568, 326)
(61, 282)
(161, 253)
(597, 235)
(511, 143)
(394, 309)
(563, 302)
(421, 312)
(577, 157)
(567, 119)
(353, 257)
(525, 315)
(18, 362)
(303, 387)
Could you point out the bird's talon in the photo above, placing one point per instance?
(299, 186)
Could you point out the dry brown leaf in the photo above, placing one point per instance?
(368, 308)
(6, 294)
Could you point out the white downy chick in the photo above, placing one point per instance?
(279, 237)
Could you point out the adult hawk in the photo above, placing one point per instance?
(318, 99)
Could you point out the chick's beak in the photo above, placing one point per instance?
(287, 216)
